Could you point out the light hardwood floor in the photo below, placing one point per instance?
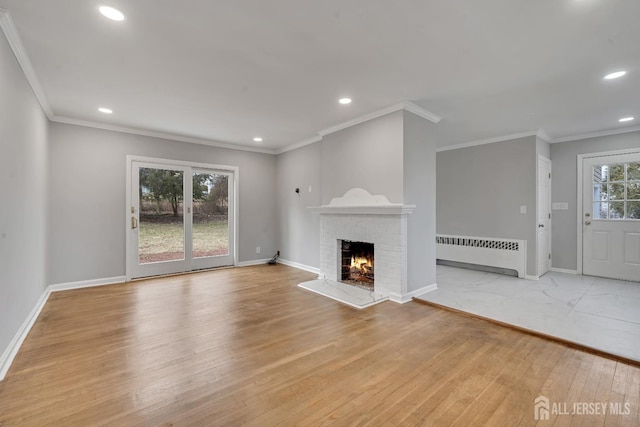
(245, 346)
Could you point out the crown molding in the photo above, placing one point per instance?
(544, 136)
(11, 33)
(408, 106)
(161, 135)
(299, 144)
(596, 134)
(361, 119)
(488, 141)
(421, 112)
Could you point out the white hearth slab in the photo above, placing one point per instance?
(346, 294)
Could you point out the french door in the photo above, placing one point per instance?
(180, 217)
(611, 216)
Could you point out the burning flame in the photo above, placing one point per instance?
(361, 263)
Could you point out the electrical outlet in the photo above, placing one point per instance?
(523, 209)
(257, 249)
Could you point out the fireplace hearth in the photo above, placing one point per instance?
(357, 263)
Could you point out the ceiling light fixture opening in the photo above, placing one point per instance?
(615, 75)
(105, 110)
(626, 119)
(257, 139)
(111, 13)
(345, 101)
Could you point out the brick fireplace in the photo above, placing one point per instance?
(362, 218)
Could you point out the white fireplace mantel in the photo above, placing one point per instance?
(360, 202)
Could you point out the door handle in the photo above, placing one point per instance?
(134, 223)
(587, 223)
(540, 225)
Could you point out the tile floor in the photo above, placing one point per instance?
(599, 313)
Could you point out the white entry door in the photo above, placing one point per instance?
(611, 216)
(180, 218)
(544, 215)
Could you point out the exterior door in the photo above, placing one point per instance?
(544, 215)
(611, 216)
(180, 218)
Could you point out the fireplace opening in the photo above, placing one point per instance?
(357, 263)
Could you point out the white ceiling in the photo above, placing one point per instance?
(229, 70)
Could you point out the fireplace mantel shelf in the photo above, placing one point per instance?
(364, 209)
(360, 202)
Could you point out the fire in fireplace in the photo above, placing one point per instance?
(357, 263)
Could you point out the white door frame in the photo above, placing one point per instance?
(579, 205)
(543, 159)
(153, 160)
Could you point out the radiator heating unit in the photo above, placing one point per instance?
(483, 251)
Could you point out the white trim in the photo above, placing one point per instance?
(364, 210)
(14, 346)
(235, 170)
(299, 266)
(544, 136)
(86, 284)
(563, 270)
(405, 298)
(253, 262)
(299, 144)
(530, 277)
(10, 31)
(595, 134)
(421, 112)
(409, 106)
(539, 160)
(579, 207)
(579, 204)
(158, 134)
(488, 141)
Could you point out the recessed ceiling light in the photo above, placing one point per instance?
(345, 101)
(626, 119)
(615, 75)
(111, 13)
(105, 110)
(257, 139)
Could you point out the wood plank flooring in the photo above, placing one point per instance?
(245, 346)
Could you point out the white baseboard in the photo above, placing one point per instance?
(529, 277)
(86, 284)
(405, 298)
(10, 352)
(253, 262)
(299, 266)
(563, 270)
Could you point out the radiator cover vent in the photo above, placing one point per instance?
(478, 243)
(483, 251)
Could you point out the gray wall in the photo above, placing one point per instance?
(23, 191)
(419, 179)
(299, 228)
(88, 174)
(564, 236)
(368, 156)
(480, 190)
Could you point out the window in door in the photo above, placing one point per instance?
(616, 191)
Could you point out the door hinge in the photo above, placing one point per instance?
(549, 216)
(549, 175)
(549, 256)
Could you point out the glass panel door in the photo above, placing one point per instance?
(211, 236)
(158, 220)
(180, 219)
(161, 229)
